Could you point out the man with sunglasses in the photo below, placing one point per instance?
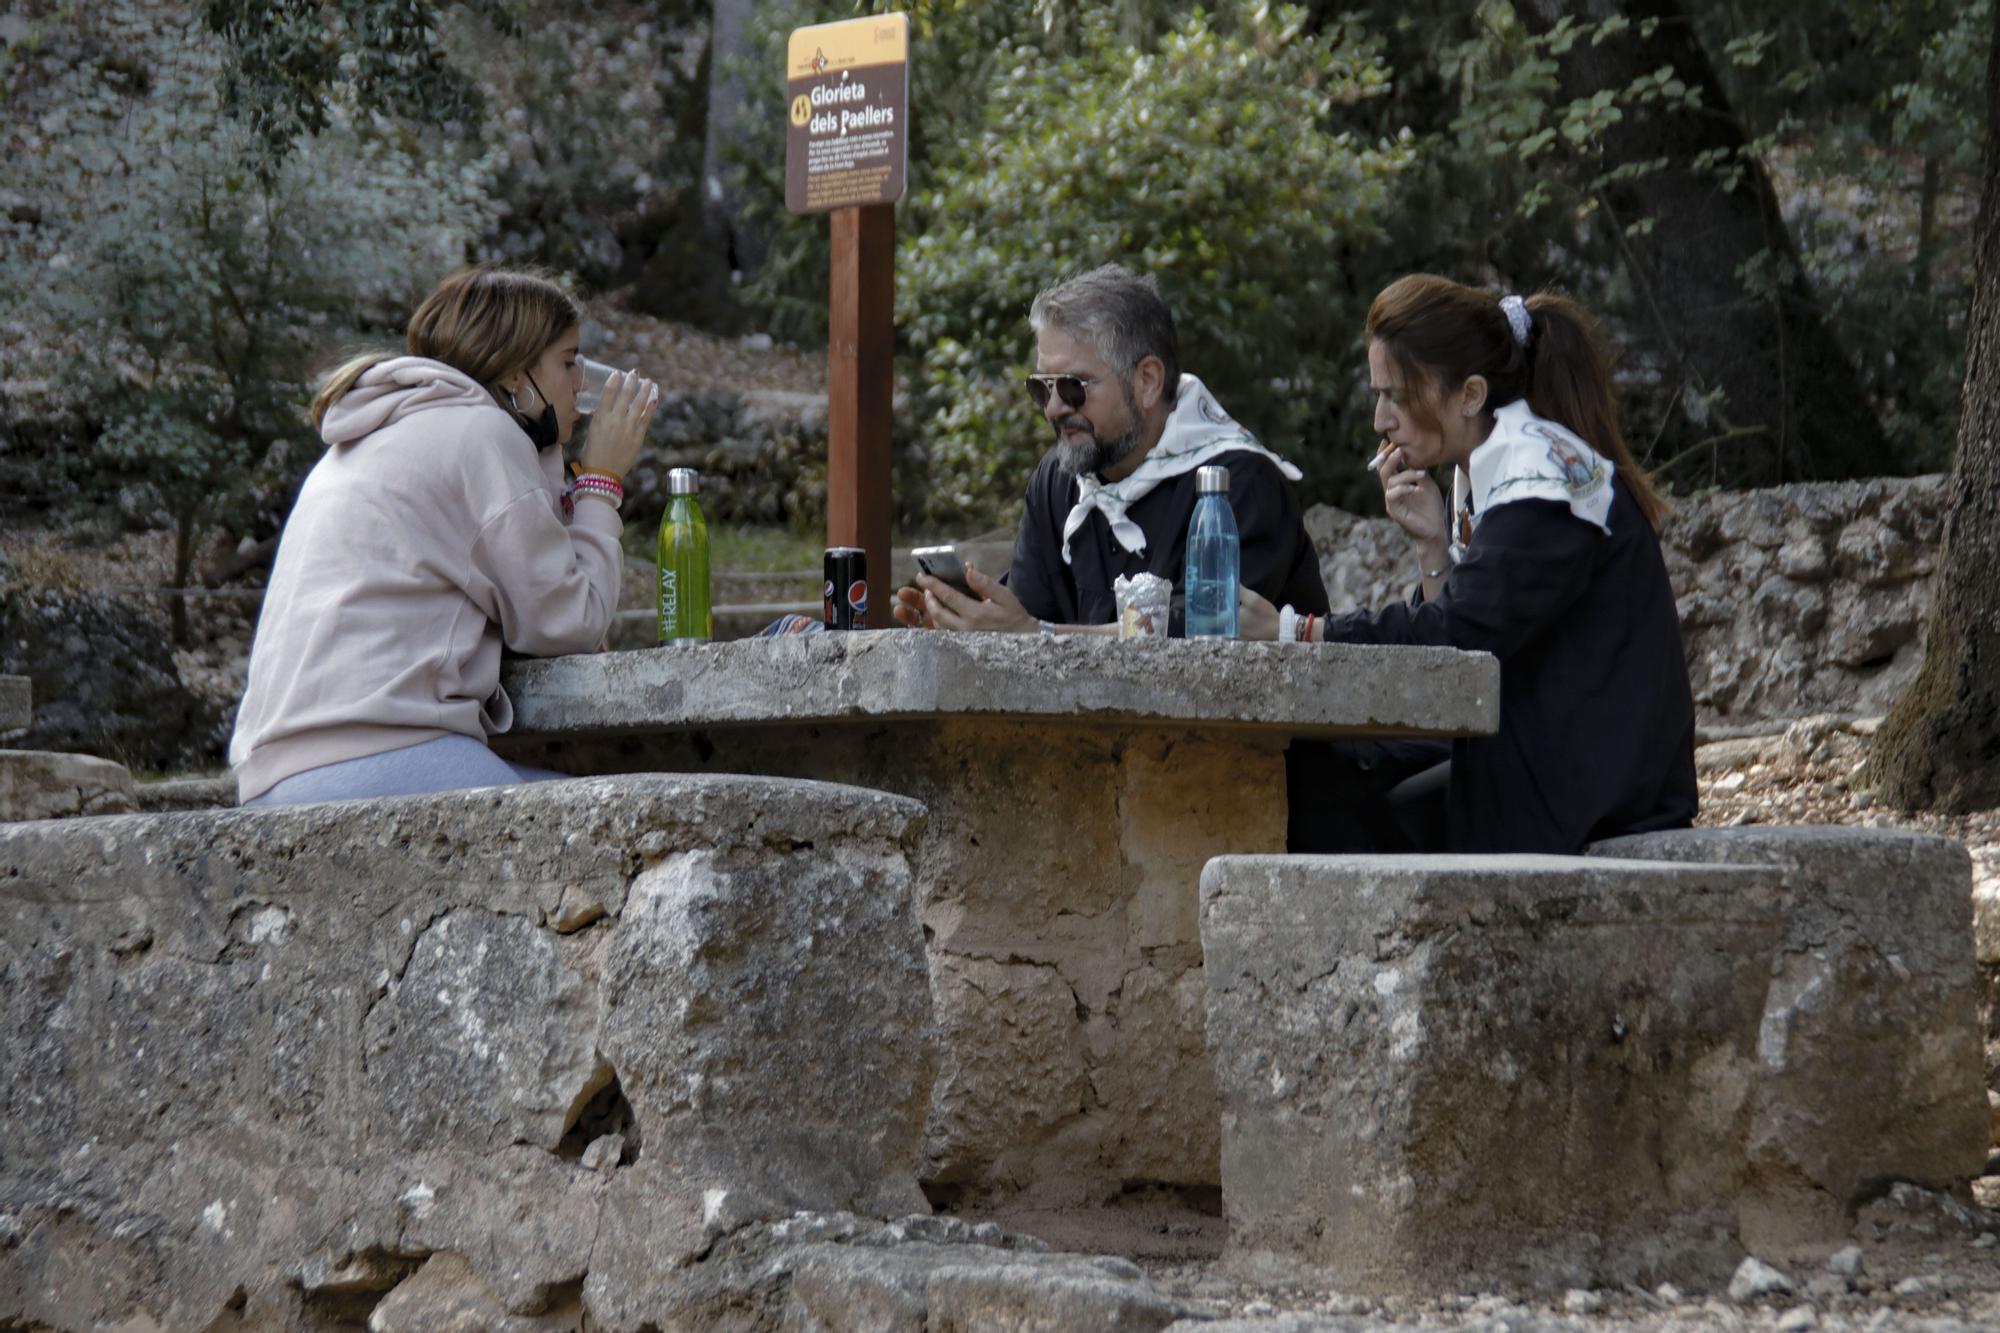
(1115, 493)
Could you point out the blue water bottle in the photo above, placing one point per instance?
(1214, 563)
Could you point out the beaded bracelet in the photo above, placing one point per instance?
(603, 486)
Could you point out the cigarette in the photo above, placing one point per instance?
(1381, 460)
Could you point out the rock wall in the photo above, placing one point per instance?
(1794, 600)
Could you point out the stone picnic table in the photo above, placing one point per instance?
(1076, 785)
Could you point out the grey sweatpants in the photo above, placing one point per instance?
(447, 763)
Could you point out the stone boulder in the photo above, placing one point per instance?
(1570, 1072)
(1362, 561)
(265, 1063)
(761, 455)
(1808, 598)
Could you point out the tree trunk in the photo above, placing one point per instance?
(1792, 408)
(1940, 746)
(729, 113)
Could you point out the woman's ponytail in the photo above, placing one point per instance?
(1434, 329)
(1569, 382)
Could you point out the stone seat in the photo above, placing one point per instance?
(1567, 1071)
(42, 784)
(259, 1064)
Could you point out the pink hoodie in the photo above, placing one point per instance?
(428, 535)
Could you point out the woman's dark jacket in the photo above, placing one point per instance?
(1596, 731)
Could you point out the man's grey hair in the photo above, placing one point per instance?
(1117, 311)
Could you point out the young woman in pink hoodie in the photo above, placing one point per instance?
(436, 530)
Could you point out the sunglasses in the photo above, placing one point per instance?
(1072, 389)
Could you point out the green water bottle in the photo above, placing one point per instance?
(684, 599)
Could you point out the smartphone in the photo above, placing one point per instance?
(942, 563)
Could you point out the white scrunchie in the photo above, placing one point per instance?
(1516, 311)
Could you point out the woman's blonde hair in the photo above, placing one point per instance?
(487, 322)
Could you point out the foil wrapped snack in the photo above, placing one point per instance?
(1145, 602)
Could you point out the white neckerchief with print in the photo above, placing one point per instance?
(1530, 458)
(1196, 431)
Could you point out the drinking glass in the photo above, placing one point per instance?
(595, 373)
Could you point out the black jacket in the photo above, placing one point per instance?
(1278, 559)
(1596, 717)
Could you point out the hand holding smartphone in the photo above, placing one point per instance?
(942, 563)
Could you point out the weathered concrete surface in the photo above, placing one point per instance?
(1870, 1060)
(1556, 1071)
(1076, 786)
(1059, 871)
(828, 1273)
(39, 784)
(16, 702)
(835, 1273)
(1328, 690)
(263, 1063)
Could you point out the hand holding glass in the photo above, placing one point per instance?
(623, 407)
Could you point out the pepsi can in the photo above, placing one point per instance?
(846, 587)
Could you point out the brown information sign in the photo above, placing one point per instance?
(849, 91)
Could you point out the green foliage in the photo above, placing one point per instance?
(196, 276)
(1217, 163)
(287, 61)
(1216, 153)
(1872, 119)
(585, 113)
(1867, 118)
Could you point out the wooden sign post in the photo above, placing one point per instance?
(846, 154)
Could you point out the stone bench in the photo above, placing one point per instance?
(1568, 1071)
(577, 1033)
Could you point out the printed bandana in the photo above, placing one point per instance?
(1196, 432)
(1530, 458)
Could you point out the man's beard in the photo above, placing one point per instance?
(1093, 454)
(1097, 453)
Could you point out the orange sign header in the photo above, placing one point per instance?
(829, 48)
